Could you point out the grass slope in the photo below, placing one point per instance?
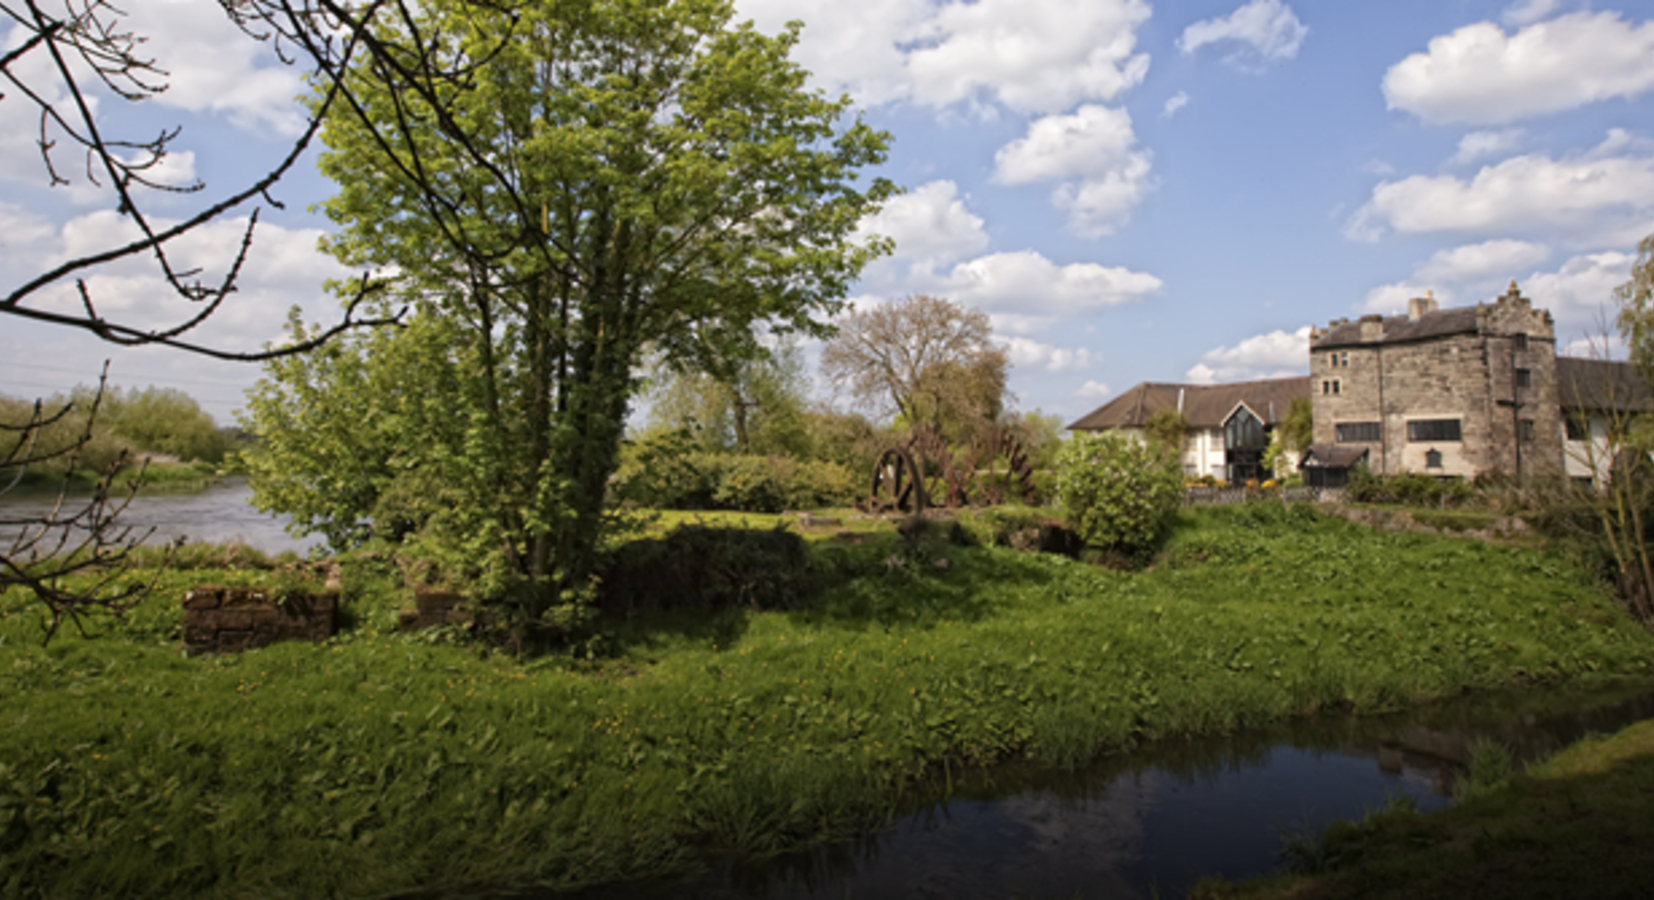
(382, 762)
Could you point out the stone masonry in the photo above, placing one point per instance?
(228, 619)
(1400, 386)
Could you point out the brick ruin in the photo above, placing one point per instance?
(221, 619)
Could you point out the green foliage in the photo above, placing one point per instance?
(1167, 430)
(1028, 529)
(1489, 769)
(1408, 489)
(660, 471)
(1117, 493)
(750, 407)
(705, 568)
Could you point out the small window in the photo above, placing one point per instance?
(1521, 341)
(1326, 387)
(1575, 428)
(1433, 459)
(1524, 378)
(1335, 385)
(1332, 360)
(1524, 430)
(1422, 430)
(1345, 361)
(1356, 432)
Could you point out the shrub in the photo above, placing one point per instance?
(701, 567)
(820, 483)
(1118, 493)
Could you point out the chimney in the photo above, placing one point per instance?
(1418, 306)
(1372, 327)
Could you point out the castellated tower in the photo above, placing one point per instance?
(1447, 392)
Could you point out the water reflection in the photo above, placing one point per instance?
(1153, 823)
(220, 514)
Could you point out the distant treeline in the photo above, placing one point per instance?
(151, 422)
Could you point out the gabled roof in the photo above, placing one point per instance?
(1601, 384)
(1401, 329)
(1204, 405)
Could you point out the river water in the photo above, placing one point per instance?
(1153, 823)
(220, 514)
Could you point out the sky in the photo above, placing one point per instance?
(1133, 191)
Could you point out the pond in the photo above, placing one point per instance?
(1153, 823)
(219, 514)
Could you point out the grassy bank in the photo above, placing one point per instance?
(1577, 825)
(157, 478)
(382, 762)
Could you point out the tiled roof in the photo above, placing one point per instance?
(1599, 384)
(1400, 329)
(1204, 405)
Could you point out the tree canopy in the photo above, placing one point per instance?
(927, 360)
(640, 176)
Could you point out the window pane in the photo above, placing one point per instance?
(1433, 430)
(1347, 432)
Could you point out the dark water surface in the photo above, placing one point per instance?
(1152, 823)
(219, 514)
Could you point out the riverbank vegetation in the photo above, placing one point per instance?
(1574, 825)
(805, 709)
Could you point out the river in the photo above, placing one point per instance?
(1154, 822)
(219, 514)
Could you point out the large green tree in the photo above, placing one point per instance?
(609, 178)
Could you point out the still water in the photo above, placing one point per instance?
(219, 514)
(1153, 823)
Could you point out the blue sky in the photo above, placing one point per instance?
(1134, 191)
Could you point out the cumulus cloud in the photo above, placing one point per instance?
(1479, 144)
(1174, 103)
(1025, 283)
(1036, 58)
(1031, 354)
(1527, 12)
(1604, 196)
(214, 67)
(1480, 75)
(1391, 299)
(1580, 294)
(1497, 259)
(1094, 153)
(1268, 27)
(1095, 390)
(1277, 354)
(929, 224)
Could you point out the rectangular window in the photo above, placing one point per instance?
(1335, 385)
(1574, 427)
(1521, 341)
(1433, 430)
(1326, 387)
(1354, 432)
(1345, 361)
(1524, 430)
(1332, 360)
(1524, 378)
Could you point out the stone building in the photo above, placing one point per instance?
(1229, 424)
(1454, 392)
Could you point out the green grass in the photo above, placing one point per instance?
(1577, 825)
(382, 762)
(158, 478)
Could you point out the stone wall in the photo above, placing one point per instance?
(230, 619)
(1469, 374)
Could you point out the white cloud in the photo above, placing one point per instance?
(1174, 103)
(1482, 76)
(214, 67)
(1097, 149)
(1605, 196)
(1025, 283)
(929, 224)
(1031, 354)
(283, 269)
(1580, 294)
(1391, 299)
(1269, 27)
(1497, 259)
(1479, 144)
(1527, 12)
(1277, 354)
(1093, 390)
(1040, 57)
